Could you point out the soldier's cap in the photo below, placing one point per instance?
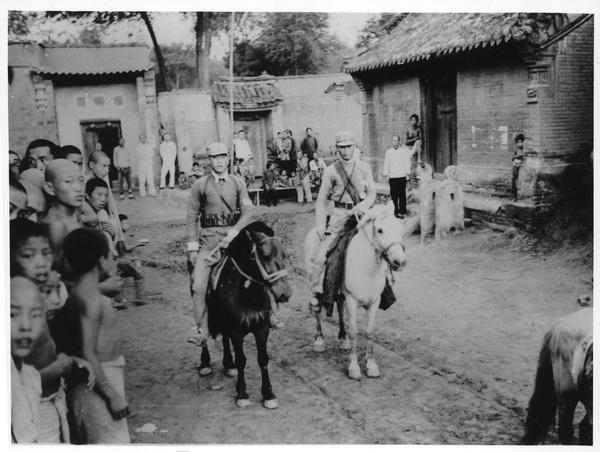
(344, 138)
(217, 149)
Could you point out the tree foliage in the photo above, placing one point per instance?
(377, 27)
(18, 23)
(288, 44)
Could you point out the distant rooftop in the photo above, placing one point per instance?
(86, 60)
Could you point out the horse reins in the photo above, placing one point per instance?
(268, 278)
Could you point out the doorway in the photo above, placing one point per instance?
(107, 133)
(255, 127)
(439, 122)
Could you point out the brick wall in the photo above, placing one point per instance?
(26, 122)
(306, 104)
(567, 105)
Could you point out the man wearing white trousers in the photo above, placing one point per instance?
(168, 153)
(145, 156)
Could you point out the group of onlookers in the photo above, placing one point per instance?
(68, 255)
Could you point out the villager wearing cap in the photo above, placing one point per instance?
(349, 184)
(218, 208)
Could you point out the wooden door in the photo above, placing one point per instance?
(440, 119)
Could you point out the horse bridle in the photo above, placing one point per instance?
(268, 278)
(380, 250)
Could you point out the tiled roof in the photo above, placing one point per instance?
(254, 94)
(94, 60)
(419, 36)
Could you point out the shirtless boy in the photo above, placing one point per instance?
(100, 414)
(65, 184)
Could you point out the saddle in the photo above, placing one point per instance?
(335, 267)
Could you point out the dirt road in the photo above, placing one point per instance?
(457, 352)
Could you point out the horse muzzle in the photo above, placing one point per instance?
(397, 260)
(282, 291)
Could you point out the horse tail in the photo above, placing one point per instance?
(542, 406)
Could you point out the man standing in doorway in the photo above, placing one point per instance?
(396, 169)
(122, 162)
(309, 144)
(242, 147)
(168, 153)
(145, 156)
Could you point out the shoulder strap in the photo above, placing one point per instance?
(348, 185)
(214, 184)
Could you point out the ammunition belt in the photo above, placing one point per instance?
(214, 220)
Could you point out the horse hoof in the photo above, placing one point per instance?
(204, 371)
(345, 344)
(354, 371)
(242, 403)
(271, 404)
(319, 345)
(373, 371)
(231, 372)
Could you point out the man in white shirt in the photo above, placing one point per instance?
(396, 169)
(242, 148)
(122, 162)
(168, 153)
(145, 156)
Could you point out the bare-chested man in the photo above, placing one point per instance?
(99, 414)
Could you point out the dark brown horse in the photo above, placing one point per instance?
(564, 378)
(254, 273)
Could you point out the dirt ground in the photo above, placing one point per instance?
(457, 352)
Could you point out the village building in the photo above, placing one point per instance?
(477, 81)
(82, 95)
(263, 106)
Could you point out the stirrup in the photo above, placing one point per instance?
(314, 305)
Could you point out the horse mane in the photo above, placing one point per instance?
(242, 241)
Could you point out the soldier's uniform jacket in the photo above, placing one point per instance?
(216, 204)
(333, 188)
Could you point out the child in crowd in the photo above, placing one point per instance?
(184, 182)
(96, 194)
(96, 197)
(269, 184)
(31, 257)
(99, 414)
(99, 165)
(250, 171)
(197, 173)
(517, 161)
(65, 184)
(71, 153)
(26, 325)
(414, 140)
(17, 197)
(283, 181)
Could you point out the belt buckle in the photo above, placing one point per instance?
(349, 205)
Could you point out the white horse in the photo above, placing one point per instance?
(376, 248)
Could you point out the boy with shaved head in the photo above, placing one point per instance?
(66, 185)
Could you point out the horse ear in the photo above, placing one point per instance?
(276, 226)
(389, 207)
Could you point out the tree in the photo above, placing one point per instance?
(111, 17)
(18, 23)
(289, 44)
(377, 27)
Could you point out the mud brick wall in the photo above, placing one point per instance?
(29, 120)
